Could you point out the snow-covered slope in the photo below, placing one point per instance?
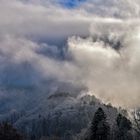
(59, 113)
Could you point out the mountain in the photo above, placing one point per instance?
(60, 114)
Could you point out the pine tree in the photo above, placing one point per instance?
(123, 127)
(99, 128)
(7, 132)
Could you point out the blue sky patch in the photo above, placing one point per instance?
(70, 3)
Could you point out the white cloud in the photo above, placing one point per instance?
(112, 75)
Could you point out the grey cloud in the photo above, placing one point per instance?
(113, 8)
(112, 75)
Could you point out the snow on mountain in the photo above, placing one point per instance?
(50, 114)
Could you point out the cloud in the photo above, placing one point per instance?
(110, 75)
(113, 8)
(36, 21)
(100, 49)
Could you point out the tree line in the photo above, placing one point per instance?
(100, 129)
(123, 129)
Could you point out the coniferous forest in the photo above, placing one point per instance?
(99, 126)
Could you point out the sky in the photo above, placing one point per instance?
(70, 3)
(93, 44)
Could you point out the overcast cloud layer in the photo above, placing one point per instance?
(100, 46)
